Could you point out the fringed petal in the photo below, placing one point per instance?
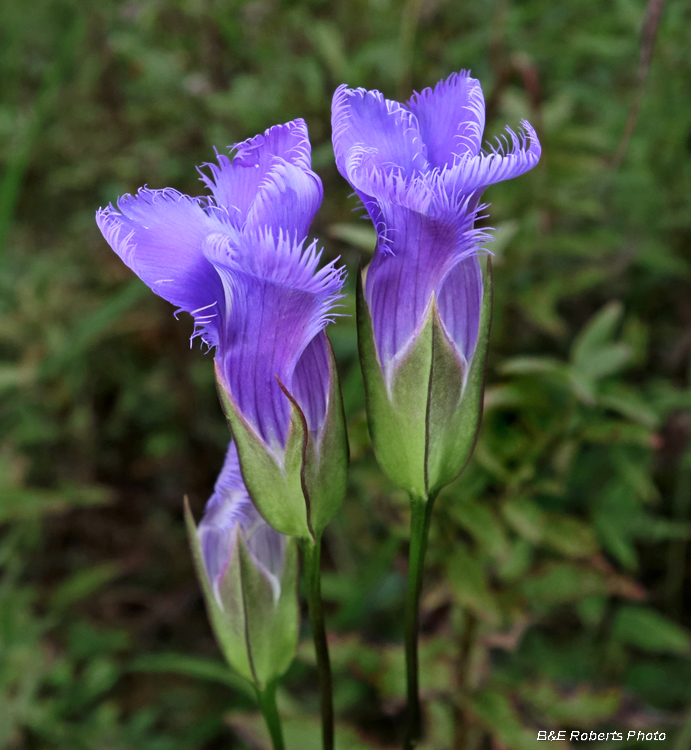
(230, 512)
(474, 173)
(278, 302)
(236, 184)
(374, 133)
(287, 199)
(451, 119)
(159, 234)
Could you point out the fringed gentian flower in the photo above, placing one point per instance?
(419, 172)
(237, 260)
(248, 572)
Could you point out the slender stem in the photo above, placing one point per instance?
(267, 703)
(311, 553)
(421, 514)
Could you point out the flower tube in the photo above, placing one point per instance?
(238, 261)
(424, 310)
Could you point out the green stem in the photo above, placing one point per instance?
(267, 703)
(311, 553)
(421, 514)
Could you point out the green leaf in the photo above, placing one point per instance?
(303, 731)
(597, 334)
(82, 584)
(469, 586)
(495, 712)
(568, 535)
(19, 503)
(484, 525)
(557, 583)
(533, 366)
(650, 631)
(197, 667)
(606, 361)
(526, 517)
(580, 707)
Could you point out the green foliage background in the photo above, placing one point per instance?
(555, 591)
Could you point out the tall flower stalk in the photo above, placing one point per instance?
(239, 262)
(424, 303)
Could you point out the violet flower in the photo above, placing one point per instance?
(238, 262)
(425, 310)
(419, 172)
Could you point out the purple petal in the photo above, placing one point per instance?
(286, 202)
(310, 384)
(451, 118)
(159, 235)
(459, 302)
(278, 303)
(280, 158)
(401, 281)
(371, 132)
(229, 512)
(474, 173)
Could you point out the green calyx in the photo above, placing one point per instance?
(298, 491)
(256, 631)
(425, 424)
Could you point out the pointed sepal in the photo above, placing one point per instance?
(424, 423)
(454, 424)
(298, 488)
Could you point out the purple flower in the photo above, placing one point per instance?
(230, 513)
(419, 172)
(237, 261)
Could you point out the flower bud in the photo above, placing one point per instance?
(248, 573)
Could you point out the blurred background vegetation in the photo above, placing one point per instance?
(556, 593)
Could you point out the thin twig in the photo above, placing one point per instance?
(648, 35)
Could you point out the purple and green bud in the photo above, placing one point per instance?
(248, 573)
(424, 304)
(238, 261)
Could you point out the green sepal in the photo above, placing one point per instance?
(256, 632)
(326, 462)
(298, 491)
(423, 430)
(272, 625)
(453, 432)
(231, 631)
(397, 421)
